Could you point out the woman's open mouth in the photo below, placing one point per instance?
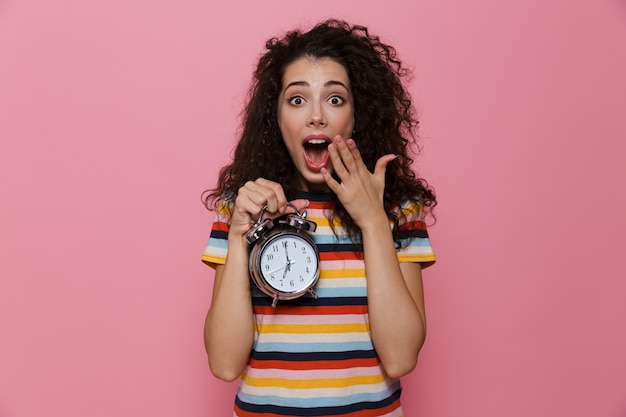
(316, 152)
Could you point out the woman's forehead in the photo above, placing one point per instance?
(308, 70)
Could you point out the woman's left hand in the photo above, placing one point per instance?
(393, 289)
(359, 190)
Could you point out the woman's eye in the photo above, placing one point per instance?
(335, 100)
(296, 101)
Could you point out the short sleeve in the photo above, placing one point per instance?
(217, 246)
(412, 236)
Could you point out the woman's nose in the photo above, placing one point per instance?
(317, 116)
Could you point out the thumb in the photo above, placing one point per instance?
(297, 204)
(381, 165)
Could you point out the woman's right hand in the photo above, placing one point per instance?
(229, 327)
(252, 197)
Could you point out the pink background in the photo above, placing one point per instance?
(116, 115)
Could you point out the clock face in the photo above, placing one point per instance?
(289, 263)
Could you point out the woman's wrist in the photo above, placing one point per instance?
(376, 223)
(237, 241)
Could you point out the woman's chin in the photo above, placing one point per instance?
(314, 182)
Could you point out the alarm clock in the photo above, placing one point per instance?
(284, 262)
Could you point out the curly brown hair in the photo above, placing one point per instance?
(385, 121)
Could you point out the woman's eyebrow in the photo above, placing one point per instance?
(333, 82)
(326, 84)
(297, 83)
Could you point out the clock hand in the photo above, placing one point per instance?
(287, 256)
(288, 266)
(275, 270)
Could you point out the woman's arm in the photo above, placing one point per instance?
(395, 301)
(229, 325)
(394, 290)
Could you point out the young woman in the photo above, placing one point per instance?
(327, 129)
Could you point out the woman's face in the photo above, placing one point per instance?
(314, 106)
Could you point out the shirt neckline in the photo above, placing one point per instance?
(317, 196)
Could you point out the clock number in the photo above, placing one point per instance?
(270, 256)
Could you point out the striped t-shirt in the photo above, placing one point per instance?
(315, 357)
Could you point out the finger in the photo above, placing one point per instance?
(341, 158)
(298, 204)
(272, 194)
(250, 196)
(330, 181)
(356, 155)
(345, 153)
(254, 195)
(381, 165)
(335, 160)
